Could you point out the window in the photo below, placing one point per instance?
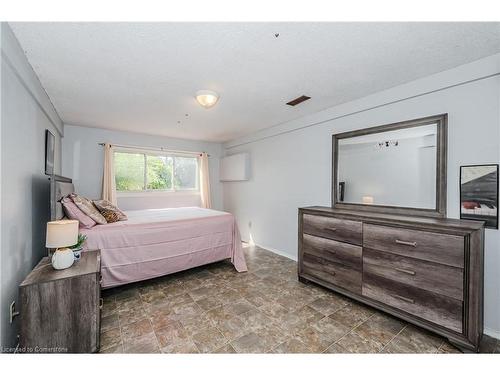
(149, 171)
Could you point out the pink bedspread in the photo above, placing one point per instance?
(154, 243)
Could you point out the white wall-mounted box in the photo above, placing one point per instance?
(235, 167)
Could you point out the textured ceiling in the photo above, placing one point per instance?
(141, 77)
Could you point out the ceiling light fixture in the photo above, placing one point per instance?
(206, 98)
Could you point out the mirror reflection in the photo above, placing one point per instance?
(391, 168)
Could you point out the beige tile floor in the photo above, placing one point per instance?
(214, 309)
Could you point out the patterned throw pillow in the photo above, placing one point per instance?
(74, 213)
(104, 205)
(88, 208)
(110, 215)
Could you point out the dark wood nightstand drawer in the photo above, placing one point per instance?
(335, 229)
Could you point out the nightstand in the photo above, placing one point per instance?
(60, 309)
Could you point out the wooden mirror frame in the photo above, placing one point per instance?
(441, 156)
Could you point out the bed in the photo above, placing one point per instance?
(153, 243)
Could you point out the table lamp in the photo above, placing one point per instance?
(367, 199)
(60, 234)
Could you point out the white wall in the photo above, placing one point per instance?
(26, 112)
(402, 175)
(83, 162)
(291, 163)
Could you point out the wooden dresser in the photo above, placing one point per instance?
(60, 309)
(426, 271)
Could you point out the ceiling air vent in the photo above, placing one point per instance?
(298, 100)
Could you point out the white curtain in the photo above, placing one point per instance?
(108, 180)
(206, 201)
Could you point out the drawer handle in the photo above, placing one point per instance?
(330, 229)
(325, 262)
(407, 243)
(409, 300)
(101, 303)
(409, 272)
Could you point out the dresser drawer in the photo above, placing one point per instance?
(336, 229)
(334, 251)
(331, 272)
(433, 277)
(435, 247)
(436, 308)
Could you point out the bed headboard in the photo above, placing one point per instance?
(59, 187)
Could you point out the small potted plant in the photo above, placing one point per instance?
(77, 248)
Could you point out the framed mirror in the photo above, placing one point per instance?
(397, 168)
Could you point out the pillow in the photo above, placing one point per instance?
(88, 208)
(74, 213)
(110, 215)
(104, 205)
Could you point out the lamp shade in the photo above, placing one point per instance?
(367, 199)
(61, 233)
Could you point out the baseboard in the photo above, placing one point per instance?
(279, 252)
(492, 333)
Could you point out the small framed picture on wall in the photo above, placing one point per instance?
(479, 193)
(49, 152)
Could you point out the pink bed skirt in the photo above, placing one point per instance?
(137, 250)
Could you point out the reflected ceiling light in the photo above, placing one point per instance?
(206, 98)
